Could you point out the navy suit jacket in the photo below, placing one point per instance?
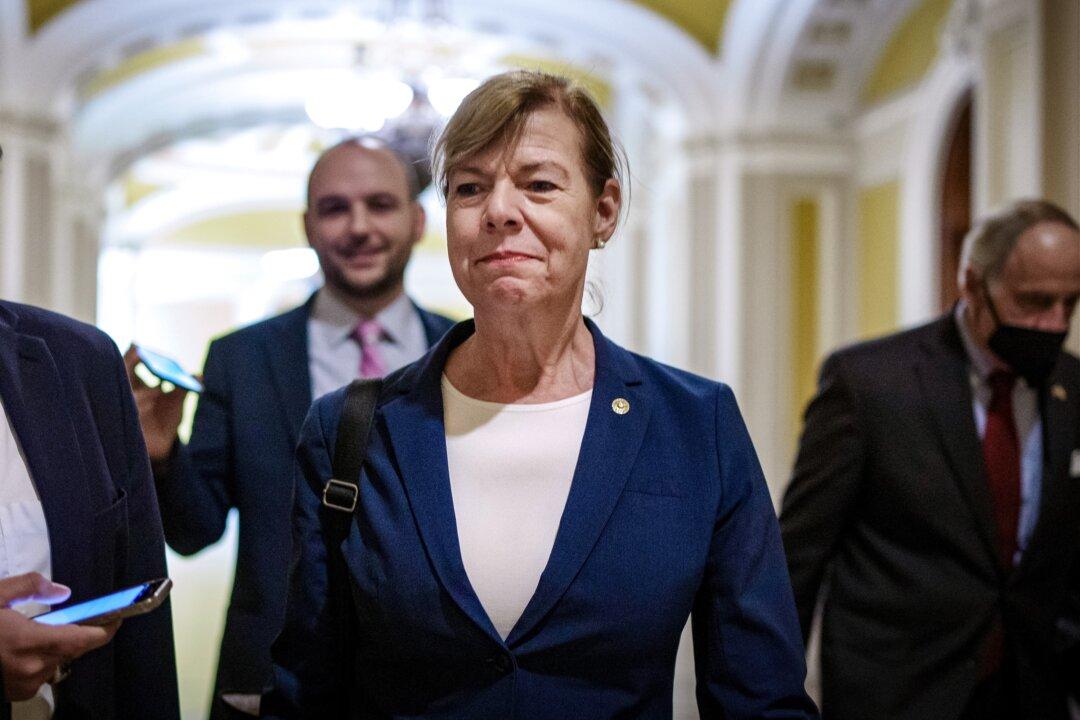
(668, 515)
(241, 454)
(69, 403)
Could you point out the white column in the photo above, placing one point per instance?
(27, 207)
(11, 215)
(49, 219)
(759, 180)
(1009, 109)
(662, 315)
(699, 261)
(80, 218)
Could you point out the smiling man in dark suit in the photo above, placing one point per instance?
(362, 220)
(936, 495)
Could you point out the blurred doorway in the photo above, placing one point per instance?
(955, 198)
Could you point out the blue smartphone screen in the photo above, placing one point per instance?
(168, 369)
(93, 608)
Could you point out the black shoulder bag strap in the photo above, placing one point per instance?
(340, 497)
(342, 492)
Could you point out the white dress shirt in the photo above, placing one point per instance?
(510, 472)
(24, 544)
(333, 354)
(1025, 402)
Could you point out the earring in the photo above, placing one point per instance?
(599, 244)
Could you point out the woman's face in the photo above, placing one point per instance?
(520, 221)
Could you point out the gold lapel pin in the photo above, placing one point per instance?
(1059, 392)
(621, 406)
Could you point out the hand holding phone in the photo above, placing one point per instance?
(160, 412)
(167, 369)
(30, 652)
(108, 609)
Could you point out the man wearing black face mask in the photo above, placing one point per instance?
(936, 496)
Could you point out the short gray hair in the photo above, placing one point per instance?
(988, 244)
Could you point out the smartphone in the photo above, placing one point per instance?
(168, 369)
(110, 608)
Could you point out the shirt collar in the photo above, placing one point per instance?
(340, 319)
(395, 316)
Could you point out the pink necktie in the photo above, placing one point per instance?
(367, 334)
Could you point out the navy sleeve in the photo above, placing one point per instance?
(145, 657)
(748, 652)
(194, 485)
(313, 655)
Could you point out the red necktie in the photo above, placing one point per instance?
(1001, 451)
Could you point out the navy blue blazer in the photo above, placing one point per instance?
(67, 397)
(241, 454)
(668, 516)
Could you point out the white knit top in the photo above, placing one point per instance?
(510, 471)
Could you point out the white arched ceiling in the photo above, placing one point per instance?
(800, 64)
(784, 64)
(619, 40)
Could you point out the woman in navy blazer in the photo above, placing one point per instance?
(666, 516)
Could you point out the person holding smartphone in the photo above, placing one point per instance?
(33, 654)
(77, 507)
(362, 220)
(78, 516)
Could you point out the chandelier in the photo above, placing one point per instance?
(404, 82)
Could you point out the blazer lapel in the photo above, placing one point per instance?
(609, 448)
(30, 387)
(947, 389)
(608, 452)
(1058, 404)
(418, 437)
(287, 352)
(435, 326)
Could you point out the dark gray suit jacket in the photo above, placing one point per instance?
(889, 506)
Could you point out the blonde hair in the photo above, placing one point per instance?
(495, 114)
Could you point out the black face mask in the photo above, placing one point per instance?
(1031, 353)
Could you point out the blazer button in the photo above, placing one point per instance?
(499, 664)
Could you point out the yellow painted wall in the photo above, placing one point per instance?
(702, 20)
(596, 86)
(878, 250)
(909, 53)
(143, 62)
(39, 12)
(805, 275)
(135, 190)
(269, 229)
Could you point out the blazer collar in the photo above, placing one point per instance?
(943, 373)
(37, 408)
(435, 326)
(287, 343)
(1060, 418)
(414, 420)
(287, 352)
